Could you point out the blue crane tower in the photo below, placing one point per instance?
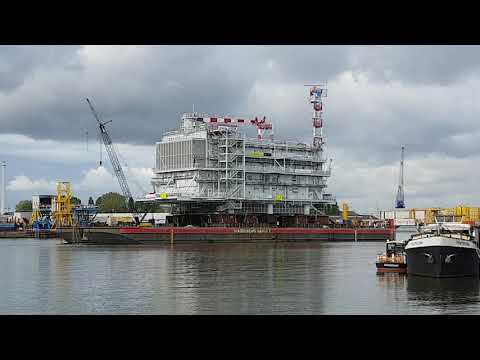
(400, 201)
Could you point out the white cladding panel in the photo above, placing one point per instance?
(420, 214)
(405, 222)
(388, 215)
(35, 202)
(44, 200)
(182, 154)
(402, 214)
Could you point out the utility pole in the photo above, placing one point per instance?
(400, 201)
(4, 185)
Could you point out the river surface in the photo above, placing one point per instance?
(48, 277)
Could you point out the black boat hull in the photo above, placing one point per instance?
(443, 261)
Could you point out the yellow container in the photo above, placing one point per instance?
(474, 214)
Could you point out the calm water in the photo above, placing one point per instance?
(47, 277)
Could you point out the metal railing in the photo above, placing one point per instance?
(391, 259)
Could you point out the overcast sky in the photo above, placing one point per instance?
(379, 98)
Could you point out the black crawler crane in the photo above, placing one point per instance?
(117, 168)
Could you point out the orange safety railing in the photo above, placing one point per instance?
(391, 259)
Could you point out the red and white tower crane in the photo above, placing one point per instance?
(261, 124)
(317, 92)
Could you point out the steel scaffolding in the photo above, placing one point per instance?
(63, 205)
(216, 163)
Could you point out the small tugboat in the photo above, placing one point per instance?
(443, 250)
(394, 259)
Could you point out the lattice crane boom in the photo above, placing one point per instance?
(117, 168)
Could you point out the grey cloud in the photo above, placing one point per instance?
(17, 63)
(154, 89)
(147, 94)
(307, 63)
(425, 64)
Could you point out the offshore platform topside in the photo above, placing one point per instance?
(210, 174)
(221, 186)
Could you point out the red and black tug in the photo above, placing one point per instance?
(394, 259)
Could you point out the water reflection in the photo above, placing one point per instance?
(392, 281)
(246, 278)
(44, 295)
(45, 277)
(444, 295)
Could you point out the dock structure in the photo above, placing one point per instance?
(415, 216)
(209, 166)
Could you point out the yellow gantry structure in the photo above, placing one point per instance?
(35, 215)
(63, 204)
(460, 213)
(431, 215)
(345, 211)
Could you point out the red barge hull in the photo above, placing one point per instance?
(135, 235)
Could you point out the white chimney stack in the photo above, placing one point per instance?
(4, 185)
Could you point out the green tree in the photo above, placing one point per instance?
(156, 207)
(111, 202)
(24, 205)
(76, 201)
(332, 209)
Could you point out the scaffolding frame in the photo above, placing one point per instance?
(63, 213)
(243, 174)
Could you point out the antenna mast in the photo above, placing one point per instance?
(317, 92)
(3, 202)
(400, 201)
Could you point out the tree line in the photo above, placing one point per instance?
(110, 202)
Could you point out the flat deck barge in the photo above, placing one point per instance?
(29, 234)
(135, 235)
